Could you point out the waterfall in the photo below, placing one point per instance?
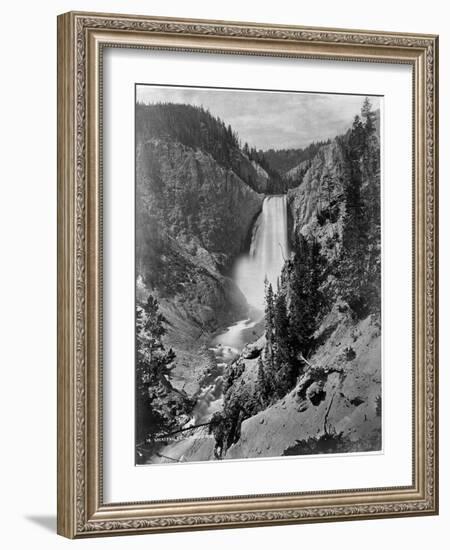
(268, 251)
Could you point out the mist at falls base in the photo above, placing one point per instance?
(263, 262)
(267, 254)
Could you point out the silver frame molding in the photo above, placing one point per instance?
(81, 38)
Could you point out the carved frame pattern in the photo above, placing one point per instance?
(80, 508)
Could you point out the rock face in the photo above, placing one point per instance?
(254, 349)
(335, 395)
(196, 200)
(319, 196)
(193, 217)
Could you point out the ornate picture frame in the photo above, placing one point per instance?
(82, 39)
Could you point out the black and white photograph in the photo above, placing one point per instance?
(258, 274)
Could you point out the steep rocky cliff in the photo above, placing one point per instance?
(193, 218)
(193, 199)
(316, 205)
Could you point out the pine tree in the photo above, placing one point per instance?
(153, 359)
(269, 317)
(153, 365)
(368, 116)
(371, 163)
(359, 269)
(356, 140)
(303, 298)
(285, 365)
(262, 386)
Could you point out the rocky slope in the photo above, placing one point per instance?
(337, 395)
(193, 218)
(316, 205)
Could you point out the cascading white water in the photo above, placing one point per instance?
(268, 251)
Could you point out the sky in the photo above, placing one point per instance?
(265, 120)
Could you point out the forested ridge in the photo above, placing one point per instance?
(195, 127)
(283, 160)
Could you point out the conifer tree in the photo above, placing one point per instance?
(269, 317)
(354, 267)
(262, 386)
(153, 365)
(285, 364)
(371, 163)
(154, 362)
(303, 294)
(368, 116)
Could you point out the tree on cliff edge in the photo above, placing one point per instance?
(268, 320)
(305, 299)
(285, 364)
(153, 366)
(359, 268)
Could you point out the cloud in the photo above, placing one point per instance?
(268, 119)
